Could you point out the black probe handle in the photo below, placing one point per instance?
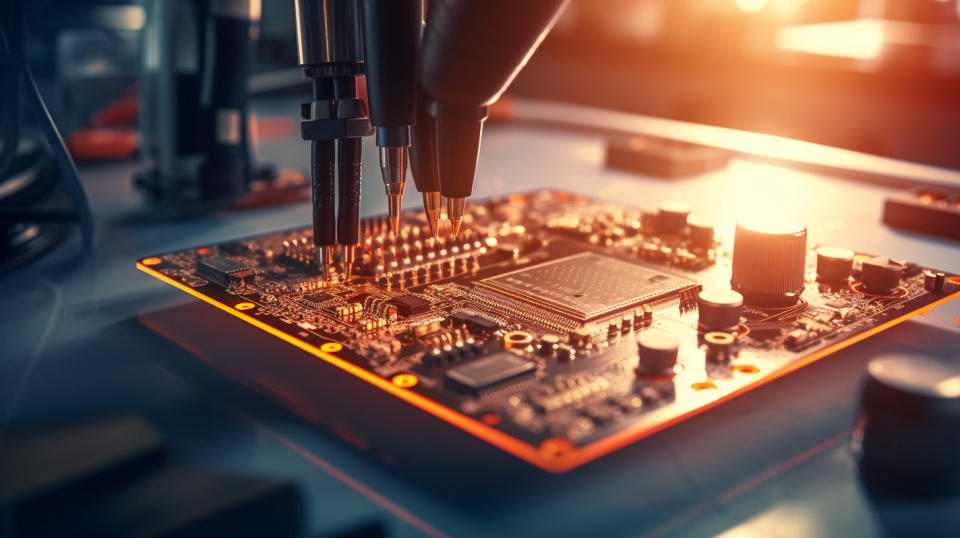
(423, 150)
(349, 176)
(391, 36)
(324, 179)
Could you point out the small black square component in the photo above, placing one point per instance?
(488, 372)
(223, 271)
(410, 305)
(316, 299)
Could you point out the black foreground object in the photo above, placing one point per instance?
(909, 428)
(111, 477)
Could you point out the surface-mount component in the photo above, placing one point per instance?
(657, 351)
(489, 372)
(769, 262)
(587, 286)
(223, 271)
(701, 232)
(834, 264)
(881, 275)
(719, 309)
(672, 217)
(410, 305)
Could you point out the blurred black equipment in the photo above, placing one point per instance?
(471, 51)
(391, 34)
(40, 191)
(194, 122)
(330, 50)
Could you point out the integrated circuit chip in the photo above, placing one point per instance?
(488, 372)
(223, 271)
(315, 300)
(410, 305)
(587, 286)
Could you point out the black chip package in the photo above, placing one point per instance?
(223, 271)
(315, 299)
(410, 305)
(488, 372)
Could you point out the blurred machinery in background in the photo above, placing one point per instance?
(194, 123)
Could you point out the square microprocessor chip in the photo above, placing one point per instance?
(488, 372)
(586, 286)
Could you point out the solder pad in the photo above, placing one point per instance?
(586, 286)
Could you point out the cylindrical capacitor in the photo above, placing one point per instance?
(909, 411)
(658, 352)
(549, 344)
(834, 264)
(719, 309)
(672, 217)
(933, 281)
(881, 276)
(701, 232)
(769, 263)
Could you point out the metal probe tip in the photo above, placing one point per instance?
(393, 201)
(431, 206)
(393, 167)
(323, 259)
(455, 214)
(349, 256)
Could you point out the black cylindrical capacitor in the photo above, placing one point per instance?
(672, 217)
(658, 352)
(881, 276)
(933, 281)
(834, 264)
(701, 232)
(907, 430)
(719, 309)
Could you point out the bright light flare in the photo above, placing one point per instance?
(751, 6)
(859, 40)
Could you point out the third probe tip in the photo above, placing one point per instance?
(455, 214)
(431, 206)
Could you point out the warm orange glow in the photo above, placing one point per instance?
(244, 306)
(555, 455)
(491, 419)
(703, 385)
(745, 368)
(331, 347)
(153, 260)
(557, 448)
(405, 380)
(203, 250)
(518, 339)
(859, 40)
(751, 6)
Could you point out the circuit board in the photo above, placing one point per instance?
(524, 330)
